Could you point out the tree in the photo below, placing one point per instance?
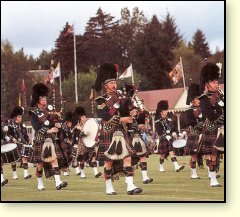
(200, 46)
(98, 40)
(44, 59)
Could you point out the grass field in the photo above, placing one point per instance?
(167, 186)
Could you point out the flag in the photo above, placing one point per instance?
(127, 73)
(176, 73)
(57, 71)
(22, 87)
(69, 31)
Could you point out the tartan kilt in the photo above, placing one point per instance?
(85, 153)
(61, 157)
(206, 145)
(164, 146)
(105, 140)
(68, 153)
(192, 145)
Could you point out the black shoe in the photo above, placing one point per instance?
(148, 181)
(180, 168)
(134, 191)
(112, 193)
(28, 176)
(218, 185)
(98, 174)
(62, 185)
(4, 182)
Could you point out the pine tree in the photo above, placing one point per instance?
(200, 46)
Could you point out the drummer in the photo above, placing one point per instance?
(85, 154)
(17, 130)
(4, 139)
(193, 117)
(166, 129)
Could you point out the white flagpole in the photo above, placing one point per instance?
(75, 65)
(60, 80)
(184, 85)
(132, 73)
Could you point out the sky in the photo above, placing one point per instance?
(34, 26)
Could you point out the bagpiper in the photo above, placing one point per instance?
(115, 149)
(194, 122)
(48, 153)
(212, 107)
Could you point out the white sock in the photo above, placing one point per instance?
(40, 183)
(144, 175)
(213, 180)
(161, 169)
(77, 170)
(194, 173)
(175, 163)
(25, 172)
(2, 179)
(15, 175)
(129, 181)
(82, 173)
(57, 180)
(208, 172)
(109, 186)
(95, 170)
(65, 173)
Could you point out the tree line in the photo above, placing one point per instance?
(153, 46)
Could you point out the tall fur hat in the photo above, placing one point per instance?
(79, 111)
(161, 106)
(17, 110)
(193, 92)
(142, 116)
(38, 89)
(69, 116)
(210, 72)
(106, 72)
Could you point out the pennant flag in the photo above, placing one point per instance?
(57, 71)
(127, 73)
(69, 31)
(176, 73)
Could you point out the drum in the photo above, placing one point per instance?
(179, 147)
(90, 130)
(9, 153)
(27, 151)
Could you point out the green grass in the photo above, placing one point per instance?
(167, 186)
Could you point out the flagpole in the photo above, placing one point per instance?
(75, 65)
(184, 85)
(132, 74)
(60, 81)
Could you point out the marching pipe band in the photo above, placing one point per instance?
(124, 138)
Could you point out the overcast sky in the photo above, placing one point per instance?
(36, 25)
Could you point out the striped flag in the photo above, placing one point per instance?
(69, 31)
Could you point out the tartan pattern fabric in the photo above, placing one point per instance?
(206, 146)
(192, 145)
(164, 146)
